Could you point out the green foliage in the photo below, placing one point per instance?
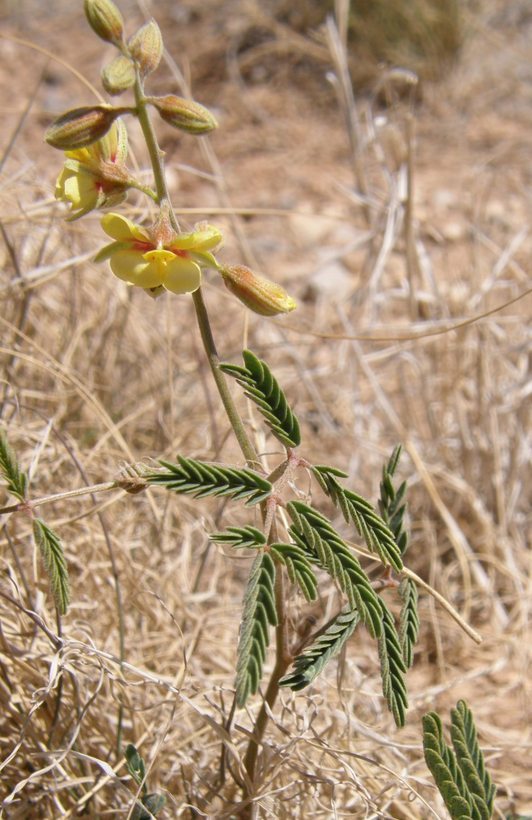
(471, 760)
(459, 772)
(15, 478)
(325, 547)
(408, 620)
(135, 765)
(375, 532)
(240, 537)
(313, 660)
(263, 389)
(393, 668)
(392, 504)
(259, 613)
(152, 803)
(298, 567)
(200, 479)
(53, 556)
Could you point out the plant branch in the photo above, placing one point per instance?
(47, 499)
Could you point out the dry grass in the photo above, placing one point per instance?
(428, 347)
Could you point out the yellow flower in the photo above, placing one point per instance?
(158, 258)
(96, 176)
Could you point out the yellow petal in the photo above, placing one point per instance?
(132, 267)
(84, 155)
(80, 190)
(121, 228)
(182, 276)
(202, 240)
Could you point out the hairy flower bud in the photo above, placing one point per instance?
(105, 20)
(146, 47)
(187, 115)
(81, 126)
(258, 294)
(119, 75)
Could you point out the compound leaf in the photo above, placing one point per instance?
(200, 479)
(326, 548)
(393, 667)
(376, 533)
(263, 389)
(258, 615)
(326, 646)
(53, 556)
(408, 619)
(15, 478)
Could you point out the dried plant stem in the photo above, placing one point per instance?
(449, 608)
(248, 450)
(412, 260)
(47, 499)
(444, 603)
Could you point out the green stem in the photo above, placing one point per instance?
(156, 155)
(145, 189)
(233, 415)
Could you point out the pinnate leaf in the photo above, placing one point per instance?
(261, 386)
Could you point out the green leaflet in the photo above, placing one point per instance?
(459, 772)
(51, 550)
(375, 532)
(150, 803)
(135, 765)
(15, 478)
(264, 391)
(314, 659)
(201, 479)
(393, 668)
(324, 546)
(258, 615)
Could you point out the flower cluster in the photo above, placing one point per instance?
(95, 176)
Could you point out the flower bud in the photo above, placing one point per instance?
(146, 47)
(185, 114)
(119, 75)
(258, 294)
(81, 126)
(105, 20)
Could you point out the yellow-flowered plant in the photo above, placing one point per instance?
(159, 258)
(95, 176)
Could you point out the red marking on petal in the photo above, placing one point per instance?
(142, 247)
